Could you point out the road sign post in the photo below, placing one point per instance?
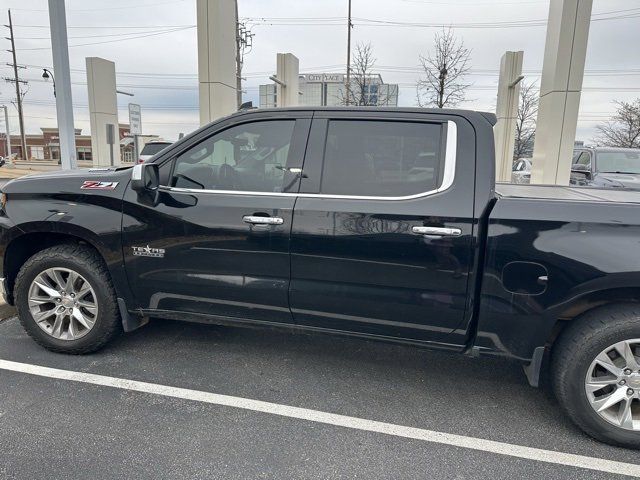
(135, 128)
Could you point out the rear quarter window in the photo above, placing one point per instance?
(382, 158)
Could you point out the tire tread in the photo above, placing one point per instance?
(589, 329)
(109, 312)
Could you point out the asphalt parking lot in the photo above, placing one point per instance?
(61, 428)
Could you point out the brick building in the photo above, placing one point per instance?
(46, 145)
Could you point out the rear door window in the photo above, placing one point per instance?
(382, 158)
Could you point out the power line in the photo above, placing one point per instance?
(310, 21)
(128, 7)
(117, 40)
(104, 35)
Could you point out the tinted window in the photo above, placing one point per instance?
(153, 148)
(248, 157)
(375, 158)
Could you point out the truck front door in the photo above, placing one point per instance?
(383, 230)
(217, 243)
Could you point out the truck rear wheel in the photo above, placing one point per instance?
(596, 373)
(65, 300)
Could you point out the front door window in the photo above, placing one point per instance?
(249, 157)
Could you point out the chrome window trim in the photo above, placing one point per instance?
(451, 152)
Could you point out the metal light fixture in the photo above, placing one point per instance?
(46, 74)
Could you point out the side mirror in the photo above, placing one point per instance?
(145, 177)
(582, 170)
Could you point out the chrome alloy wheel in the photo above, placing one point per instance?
(63, 303)
(612, 384)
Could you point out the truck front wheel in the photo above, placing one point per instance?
(596, 373)
(65, 299)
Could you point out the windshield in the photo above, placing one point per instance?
(153, 148)
(618, 162)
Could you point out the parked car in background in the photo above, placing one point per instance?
(606, 167)
(521, 171)
(150, 149)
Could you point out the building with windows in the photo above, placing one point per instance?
(46, 145)
(329, 89)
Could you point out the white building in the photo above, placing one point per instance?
(329, 89)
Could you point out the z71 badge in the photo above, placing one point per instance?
(95, 185)
(148, 252)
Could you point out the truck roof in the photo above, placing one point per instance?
(576, 194)
(491, 118)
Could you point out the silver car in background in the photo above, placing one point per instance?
(521, 172)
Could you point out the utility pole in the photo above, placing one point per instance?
(9, 161)
(348, 82)
(64, 104)
(244, 43)
(17, 81)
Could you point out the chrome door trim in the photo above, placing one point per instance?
(257, 220)
(437, 231)
(451, 151)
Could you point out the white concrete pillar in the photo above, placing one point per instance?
(216, 21)
(507, 110)
(103, 111)
(64, 102)
(288, 75)
(562, 74)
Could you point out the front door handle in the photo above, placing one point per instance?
(258, 220)
(437, 231)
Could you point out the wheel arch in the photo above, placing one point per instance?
(22, 247)
(569, 315)
(36, 236)
(589, 301)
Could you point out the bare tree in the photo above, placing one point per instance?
(526, 120)
(362, 80)
(443, 85)
(623, 130)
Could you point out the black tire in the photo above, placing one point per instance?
(572, 356)
(87, 263)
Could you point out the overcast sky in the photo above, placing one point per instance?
(154, 47)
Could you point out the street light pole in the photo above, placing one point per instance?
(64, 104)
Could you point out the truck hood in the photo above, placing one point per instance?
(65, 181)
(620, 180)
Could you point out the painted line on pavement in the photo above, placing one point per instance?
(501, 448)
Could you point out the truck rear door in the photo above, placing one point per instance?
(383, 229)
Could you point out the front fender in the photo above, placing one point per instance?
(92, 218)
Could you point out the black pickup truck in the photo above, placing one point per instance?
(379, 223)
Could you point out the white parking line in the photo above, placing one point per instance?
(548, 456)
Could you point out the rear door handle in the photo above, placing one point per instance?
(437, 231)
(257, 220)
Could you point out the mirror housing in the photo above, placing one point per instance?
(582, 170)
(145, 177)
